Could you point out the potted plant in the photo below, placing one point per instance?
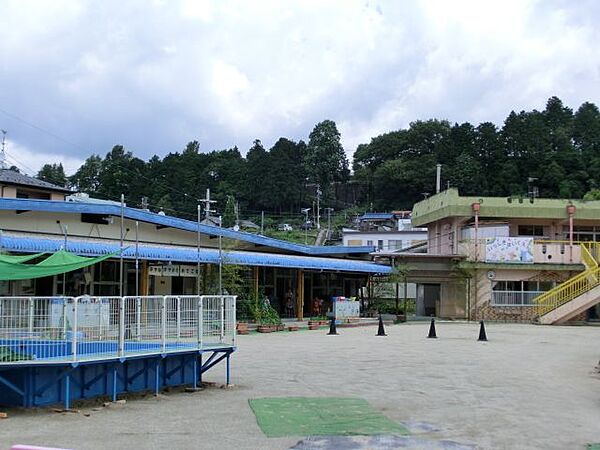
(242, 328)
(313, 324)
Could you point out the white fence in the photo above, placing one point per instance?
(86, 328)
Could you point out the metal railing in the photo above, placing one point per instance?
(514, 298)
(574, 286)
(54, 329)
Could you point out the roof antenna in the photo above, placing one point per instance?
(2, 154)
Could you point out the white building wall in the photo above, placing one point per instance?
(391, 240)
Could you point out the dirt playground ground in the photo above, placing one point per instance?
(528, 387)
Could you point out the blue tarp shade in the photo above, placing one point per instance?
(26, 244)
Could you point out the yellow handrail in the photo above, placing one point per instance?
(587, 258)
(567, 291)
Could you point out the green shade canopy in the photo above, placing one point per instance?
(60, 262)
(12, 259)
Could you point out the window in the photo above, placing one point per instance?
(531, 230)
(394, 244)
(380, 244)
(369, 243)
(518, 293)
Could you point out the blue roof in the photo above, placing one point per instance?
(376, 216)
(173, 222)
(31, 244)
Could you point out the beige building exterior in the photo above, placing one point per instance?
(505, 259)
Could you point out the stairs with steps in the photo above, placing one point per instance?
(575, 295)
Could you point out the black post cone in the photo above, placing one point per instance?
(482, 335)
(381, 330)
(332, 327)
(432, 329)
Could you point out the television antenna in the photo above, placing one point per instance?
(2, 153)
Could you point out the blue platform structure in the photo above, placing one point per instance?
(108, 346)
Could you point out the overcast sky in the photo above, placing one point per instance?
(78, 77)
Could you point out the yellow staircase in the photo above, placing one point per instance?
(575, 295)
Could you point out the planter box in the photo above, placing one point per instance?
(293, 328)
(313, 326)
(266, 328)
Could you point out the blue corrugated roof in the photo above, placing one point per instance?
(375, 216)
(173, 222)
(27, 244)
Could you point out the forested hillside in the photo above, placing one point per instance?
(556, 149)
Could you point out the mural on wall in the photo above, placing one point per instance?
(516, 250)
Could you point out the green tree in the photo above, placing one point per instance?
(87, 177)
(325, 160)
(53, 173)
(229, 213)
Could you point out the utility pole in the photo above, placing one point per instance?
(207, 202)
(305, 211)
(198, 253)
(262, 222)
(329, 211)
(319, 193)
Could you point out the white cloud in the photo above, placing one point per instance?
(30, 161)
(154, 75)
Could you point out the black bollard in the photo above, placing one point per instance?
(332, 328)
(381, 330)
(482, 335)
(432, 329)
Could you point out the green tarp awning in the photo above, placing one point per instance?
(57, 263)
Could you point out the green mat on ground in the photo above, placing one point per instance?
(310, 416)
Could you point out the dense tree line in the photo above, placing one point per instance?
(556, 150)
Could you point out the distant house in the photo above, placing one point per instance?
(384, 231)
(14, 184)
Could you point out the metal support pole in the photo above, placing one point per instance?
(195, 373)
(121, 326)
(220, 258)
(200, 322)
(163, 323)
(121, 246)
(31, 312)
(137, 260)
(198, 255)
(67, 391)
(200, 372)
(64, 277)
(222, 300)
(228, 370)
(157, 378)
(114, 386)
(178, 314)
(138, 318)
(74, 331)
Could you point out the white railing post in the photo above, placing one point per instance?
(74, 330)
(64, 317)
(222, 301)
(121, 326)
(178, 318)
(163, 320)
(234, 320)
(31, 311)
(200, 321)
(138, 318)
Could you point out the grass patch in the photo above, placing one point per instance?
(321, 416)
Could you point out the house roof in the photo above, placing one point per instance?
(13, 177)
(449, 203)
(376, 216)
(96, 247)
(174, 222)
